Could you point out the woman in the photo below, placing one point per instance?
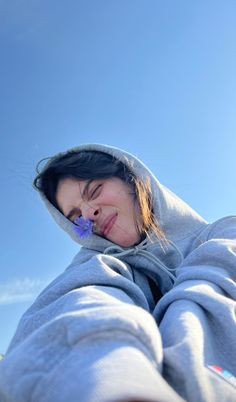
(146, 309)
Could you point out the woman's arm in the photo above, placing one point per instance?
(197, 319)
(88, 337)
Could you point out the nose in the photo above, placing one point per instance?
(90, 211)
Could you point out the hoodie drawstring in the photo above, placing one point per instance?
(118, 251)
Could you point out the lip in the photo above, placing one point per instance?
(108, 224)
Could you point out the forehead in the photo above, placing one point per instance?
(71, 190)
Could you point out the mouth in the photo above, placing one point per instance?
(108, 224)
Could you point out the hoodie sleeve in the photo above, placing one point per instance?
(88, 337)
(197, 319)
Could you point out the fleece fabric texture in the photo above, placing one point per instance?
(99, 332)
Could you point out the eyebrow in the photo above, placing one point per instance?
(84, 192)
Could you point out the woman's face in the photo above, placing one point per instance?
(109, 203)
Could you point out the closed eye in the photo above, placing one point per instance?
(95, 192)
(74, 214)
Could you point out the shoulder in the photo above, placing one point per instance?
(224, 228)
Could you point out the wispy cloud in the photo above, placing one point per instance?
(20, 290)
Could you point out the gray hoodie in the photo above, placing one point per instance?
(98, 333)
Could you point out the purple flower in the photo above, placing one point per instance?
(83, 227)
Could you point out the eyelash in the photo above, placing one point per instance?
(94, 192)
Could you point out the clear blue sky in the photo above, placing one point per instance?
(156, 78)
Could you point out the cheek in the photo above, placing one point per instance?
(126, 204)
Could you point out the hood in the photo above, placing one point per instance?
(175, 217)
